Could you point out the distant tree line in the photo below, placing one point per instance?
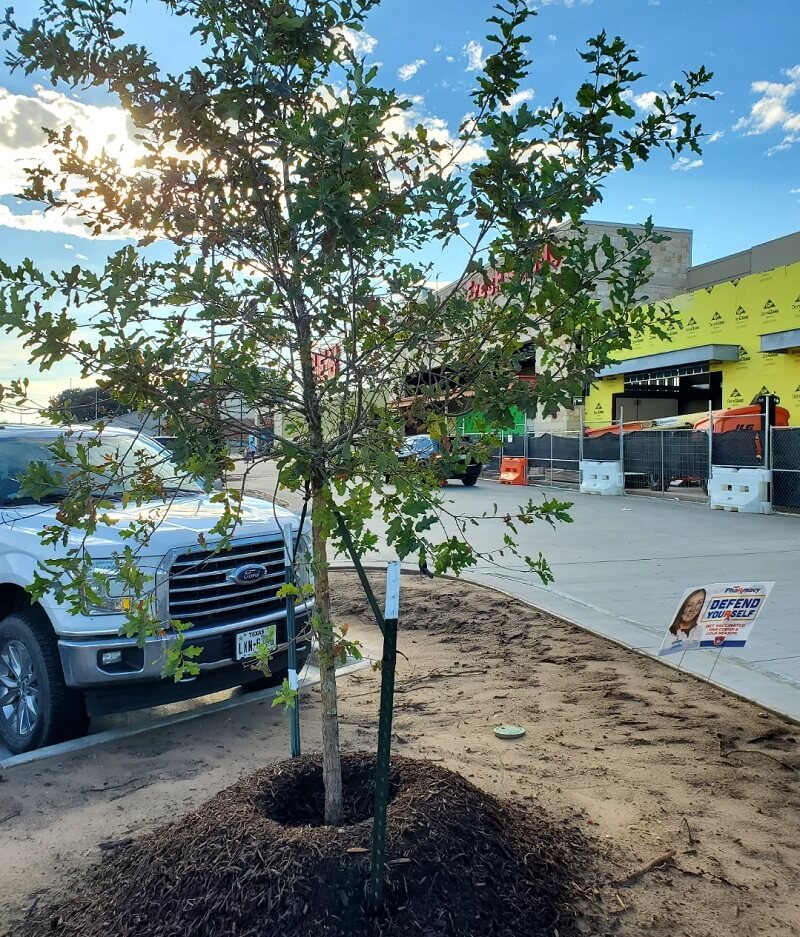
(87, 404)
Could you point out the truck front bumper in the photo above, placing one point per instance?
(103, 699)
(86, 663)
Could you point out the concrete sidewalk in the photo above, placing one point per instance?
(623, 563)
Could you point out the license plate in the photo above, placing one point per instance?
(248, 641)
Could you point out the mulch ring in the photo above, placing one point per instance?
(256, 860)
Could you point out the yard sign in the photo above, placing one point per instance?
(714, 616)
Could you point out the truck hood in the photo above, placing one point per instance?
(179, 524)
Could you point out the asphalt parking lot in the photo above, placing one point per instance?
(620, 569)
(623, 563)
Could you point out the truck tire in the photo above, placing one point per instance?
(36, 706)
(469, 481)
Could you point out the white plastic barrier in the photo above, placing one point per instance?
(602, 478)
(740, 489)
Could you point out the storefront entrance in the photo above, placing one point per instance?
(653, 395)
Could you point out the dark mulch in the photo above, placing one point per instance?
(255, 860)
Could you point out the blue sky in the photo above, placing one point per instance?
(742, 193)
(745, 191)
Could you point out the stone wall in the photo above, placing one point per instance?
(671, 259)
(670, 265)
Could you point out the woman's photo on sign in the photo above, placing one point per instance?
(686, 620)
(685, 628)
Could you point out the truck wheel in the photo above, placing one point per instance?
(469, 482)
(36, 706)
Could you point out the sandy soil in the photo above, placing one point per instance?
(649, 762)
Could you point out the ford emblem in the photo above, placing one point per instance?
(246, 575)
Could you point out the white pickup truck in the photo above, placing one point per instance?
(57, 668)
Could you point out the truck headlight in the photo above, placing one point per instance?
(105, 594)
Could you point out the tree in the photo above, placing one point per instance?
(87, 404)
(305, 203)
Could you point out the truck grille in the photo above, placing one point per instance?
(200, 594)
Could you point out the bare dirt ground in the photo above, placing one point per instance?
(652, 764)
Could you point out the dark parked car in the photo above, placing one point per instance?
(423, 448)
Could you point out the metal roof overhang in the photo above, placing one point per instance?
(672, 359)
(781, 341)
(406, 403)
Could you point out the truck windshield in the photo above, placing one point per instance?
(19, 450)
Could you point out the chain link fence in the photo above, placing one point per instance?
(554, 459)
(672, 463)
(739, 448)
(785, 457)
(657, 462)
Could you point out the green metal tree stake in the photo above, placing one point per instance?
(294, 711)
(383, 766)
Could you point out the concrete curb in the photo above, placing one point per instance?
(114, 735)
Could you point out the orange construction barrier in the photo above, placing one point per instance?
(513, 471)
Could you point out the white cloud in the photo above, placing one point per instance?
(360, 42)
(454, 152)
(437, 47)
(565, 3)
(773, 111)
(449, 58)
(519, 97)
(715, 136)
(644, 102)
(22, 140)
(408, 71)
(22, 145)
(552, 37)
(81, 257)
(54, 221)
(684, 164)
(474, 52)
(654, 3)
(69, 247)
(648, 200)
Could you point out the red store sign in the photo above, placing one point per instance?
(479, 289)
(325, 362)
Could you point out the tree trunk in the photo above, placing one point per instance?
(331, 757)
